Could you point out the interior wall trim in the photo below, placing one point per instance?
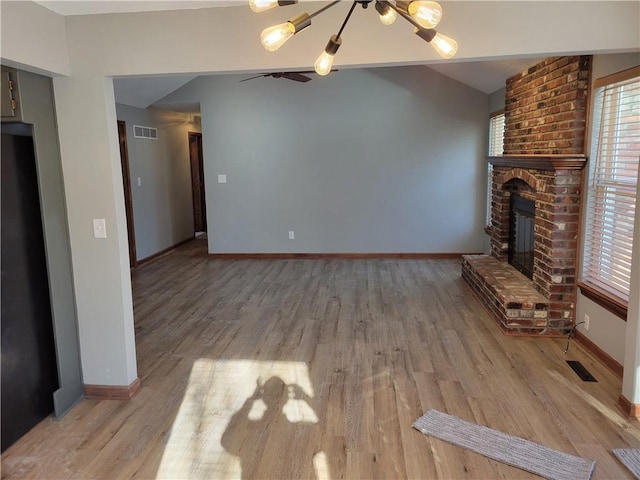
(350, 256)
(600, 354)
(150, 258)
(630, 409)
(113, 392)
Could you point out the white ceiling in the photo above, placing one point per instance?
(144, 91)
(485, 76)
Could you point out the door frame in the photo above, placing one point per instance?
(128, 194)
(198, 198)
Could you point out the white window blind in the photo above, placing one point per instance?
(496, 135)
(612, 188)
(496, 149)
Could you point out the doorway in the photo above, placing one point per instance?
(197, 183)
(29, 365)
(128, 196)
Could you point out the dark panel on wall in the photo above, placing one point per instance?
(29, 372)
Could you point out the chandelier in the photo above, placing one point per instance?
(423, 15)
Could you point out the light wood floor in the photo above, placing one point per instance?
(317, 369)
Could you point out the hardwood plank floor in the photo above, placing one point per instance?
(317, 369)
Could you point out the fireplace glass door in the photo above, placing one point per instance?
(521, 238)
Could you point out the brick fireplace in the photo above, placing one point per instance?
(545, 113)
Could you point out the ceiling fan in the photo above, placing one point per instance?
(295, 76)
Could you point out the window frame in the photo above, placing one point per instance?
(603, 296)
(493, 153)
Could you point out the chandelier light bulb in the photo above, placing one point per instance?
(427, 14)
(325, 60)
(445, 46)
(323, 64)
(387, 14)
(389, 17)
(273, 38)
(262, 5)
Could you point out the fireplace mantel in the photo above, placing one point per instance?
(540, 162)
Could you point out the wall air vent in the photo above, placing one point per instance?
(145, 132)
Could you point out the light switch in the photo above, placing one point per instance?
(139, 181)
(99, 228)
(222, 179)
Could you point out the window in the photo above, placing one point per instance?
(612, 187)
(496, 134)
(496, 148)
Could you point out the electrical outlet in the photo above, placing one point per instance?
(292, 235)
(586, 322)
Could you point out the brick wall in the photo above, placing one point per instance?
(546, 107)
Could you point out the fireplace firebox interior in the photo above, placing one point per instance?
(521, 234)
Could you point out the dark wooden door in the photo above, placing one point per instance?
(29, 369)
(197, 182)
(128, 197)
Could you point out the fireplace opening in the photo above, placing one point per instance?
(521, 236)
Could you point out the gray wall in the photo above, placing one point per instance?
(38, 110)
(496, 100)
(162, 205)
(376, 160)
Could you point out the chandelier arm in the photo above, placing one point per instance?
(344, 24)
(326, 7)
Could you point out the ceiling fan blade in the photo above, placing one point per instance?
(296, 77)
(257, 76)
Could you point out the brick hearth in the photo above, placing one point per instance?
(508, 295)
